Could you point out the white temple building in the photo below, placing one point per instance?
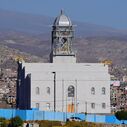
(63, 84)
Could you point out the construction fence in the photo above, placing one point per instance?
(57, 116)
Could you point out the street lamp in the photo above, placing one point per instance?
(54, 91)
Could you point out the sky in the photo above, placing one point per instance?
(112, 13)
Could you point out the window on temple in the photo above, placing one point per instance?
(48, 90)
(71, 91)
(103, 105)
(103, 90)
(37, 90)
(37, 105)
(93, 105)
(92, 90)
(48, 106)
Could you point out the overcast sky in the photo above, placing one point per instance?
(103, 12)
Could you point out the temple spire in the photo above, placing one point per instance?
(62, 12)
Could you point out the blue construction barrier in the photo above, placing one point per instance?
(57, 116)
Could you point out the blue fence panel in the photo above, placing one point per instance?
(99, 118)
(90, 118)
(29, 114)
(21, 114)
(49, 116)
(7, 113)
(125, 121)
(38, 115)
(68, 115)
(56, 116)
(112, 119)
(59, 116)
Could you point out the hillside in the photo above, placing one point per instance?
(95, 49)
(8, 57)
(31, 34)
(88, 49)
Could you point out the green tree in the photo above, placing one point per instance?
(16, 121)
(121, 115)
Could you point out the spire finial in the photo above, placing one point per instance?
(62, 11)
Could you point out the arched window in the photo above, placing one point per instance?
(48, 106)
(103, 105)
(48, 90)
(37, 90)
(92, 90)
(103, 90)
(37, 105)
(93, 105)
(71, 91)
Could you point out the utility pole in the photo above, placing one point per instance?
(54, 91)
(86, 107)
(76, 95)
(62, 95)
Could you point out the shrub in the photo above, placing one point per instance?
(3, 122)
(45, 123)
(16, 121)
(121, 115)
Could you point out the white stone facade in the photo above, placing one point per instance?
(64, 59)
(83, 76)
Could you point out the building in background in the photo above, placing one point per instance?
(62, 84)
(118, 96)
